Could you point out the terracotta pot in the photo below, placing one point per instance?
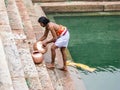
(37, 57)
(39, 46)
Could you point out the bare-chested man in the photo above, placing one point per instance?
(60, 40)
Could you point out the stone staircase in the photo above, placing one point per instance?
(11, 54)
(19, 30)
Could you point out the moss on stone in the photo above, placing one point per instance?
(6, 2)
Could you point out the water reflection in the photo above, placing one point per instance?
(102, 78)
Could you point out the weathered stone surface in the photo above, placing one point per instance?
(23, 48)
(28, 29)
(3, 19)
(48, 0)
(5, 78)
(12, 55)
(11, 51)
(30, 70)
(71, 6)
(33, 16)
(14, 16)
(44, 77)
(19, 83)
(39, 12)
(9, 46)
(113, 7)
(75, 75)
(80, 6)
(33, 83)
(2, 5)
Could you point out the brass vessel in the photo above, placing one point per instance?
(37, 57)
(39, 46)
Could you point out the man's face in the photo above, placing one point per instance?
(42, 24)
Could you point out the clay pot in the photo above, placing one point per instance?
(39, 46)
(37, 57)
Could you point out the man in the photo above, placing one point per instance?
(60, 40)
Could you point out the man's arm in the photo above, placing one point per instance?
(54, 36)
(44, 35)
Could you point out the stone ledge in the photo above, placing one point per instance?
(80, 6)
(48, 0)
(114, 7)
(68, 0)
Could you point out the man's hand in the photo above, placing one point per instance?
(44, 44)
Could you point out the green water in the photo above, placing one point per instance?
(95, 41)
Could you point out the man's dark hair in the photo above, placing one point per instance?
(43, 20)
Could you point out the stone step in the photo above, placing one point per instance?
(33, 17)
(44, 77)
(43, 74)
(5, 78)
(61, 80)
(12, 55)
(28, 29)
(30, 71)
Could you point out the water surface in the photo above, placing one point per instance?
(95, 41)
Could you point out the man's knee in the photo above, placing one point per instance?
(63, 48)
(53, 47)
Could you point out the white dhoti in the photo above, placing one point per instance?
(63, 40)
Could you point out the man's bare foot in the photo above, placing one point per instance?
(63, 69)
(50, 66)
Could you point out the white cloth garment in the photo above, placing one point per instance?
(63, 40)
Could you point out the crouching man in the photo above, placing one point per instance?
(60, 40)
